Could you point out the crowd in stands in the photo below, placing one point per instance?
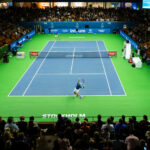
(141, 35)
(68, 135)
(10, 32)
(15, 14)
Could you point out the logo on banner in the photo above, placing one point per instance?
(20, 54)
(90, 31)
(102, 25)
(77, 25)
(101, 31)
(64, 115)
(52, 25)
(65, 31)
(54, 30)
(81, 31)
(22, 40)
(72, 31)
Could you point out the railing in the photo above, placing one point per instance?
(90, 118)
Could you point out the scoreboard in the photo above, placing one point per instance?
(146, 4)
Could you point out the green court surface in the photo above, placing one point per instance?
(136, 83)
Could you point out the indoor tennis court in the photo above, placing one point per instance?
(61, 63)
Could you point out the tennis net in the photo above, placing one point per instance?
(96, 54)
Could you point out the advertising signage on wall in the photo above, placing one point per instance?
(146, 4)
(77, 1)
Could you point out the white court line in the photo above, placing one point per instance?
(72, 61)
(60, 95)
(76, 51)
(116, 73)
(38, 70)
(27, 70)
(77, 37)
(79, 41)
(67, 74)
(104, 69)
(78, 47)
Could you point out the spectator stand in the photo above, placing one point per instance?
(17, 44)
(77, 134)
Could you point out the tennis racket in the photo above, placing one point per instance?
(83, 83)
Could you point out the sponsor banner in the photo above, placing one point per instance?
(114, 25)
(80, 30)
(20, 55)
(34, 53)
(22, 40)
(126, 37)
(64, 115)
(12, 45)
(32, 33)
(103, 31)
(112, 53)
(55, 30)
(65, 30)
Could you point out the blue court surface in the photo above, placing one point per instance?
(58, 76)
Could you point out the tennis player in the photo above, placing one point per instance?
(56, 35)
(77, 88)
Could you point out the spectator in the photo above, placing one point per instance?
(64, 144)
(33, 131)
(131, 141)
(48, 143)
(123, 119)
(22, 124)
(147, 134)
(85, 127)
(19, 44)
(20, 143)
(120, 129)
(108, 125)
(112, 120)
(11, 125)
(7, 139)
(60, 124)
(142, 145)
(105, 133)
(119, 144)
(99, 122)
(2, 125)
(108, 145)
(77, 122)
(28, 38)
(32, 127)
